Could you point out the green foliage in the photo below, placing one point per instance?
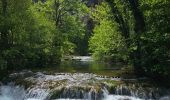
(134, 30)
(107, 42)
(156, 39)
(67, 16)
(39, 33)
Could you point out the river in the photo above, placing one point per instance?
(80, 79)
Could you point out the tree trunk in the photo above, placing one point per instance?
(57, 12)
(4, 29)
(139, 29)
(4, 7)
(124, 28)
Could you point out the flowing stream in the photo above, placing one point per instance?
(79, 79)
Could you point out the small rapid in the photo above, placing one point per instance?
(12, 92)
(75, 86)
(80, 79)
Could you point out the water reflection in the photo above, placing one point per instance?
(89, 66)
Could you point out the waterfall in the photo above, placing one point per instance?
(139, 91)
(11, 92)
(78, 86)
(37, 94)
(108, 96)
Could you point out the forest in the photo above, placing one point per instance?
(38, 33)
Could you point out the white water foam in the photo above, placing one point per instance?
(12, 92)
(44, 85)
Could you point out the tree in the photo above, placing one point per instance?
(107, 42)
(37, 33)
(155, 41)
(28, 35)
(144, 29)
(68, 14)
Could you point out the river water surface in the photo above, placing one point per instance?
(80, 79)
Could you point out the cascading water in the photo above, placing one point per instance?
(12, 92)
(41, 85)
(17, 93)
(76, 86)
